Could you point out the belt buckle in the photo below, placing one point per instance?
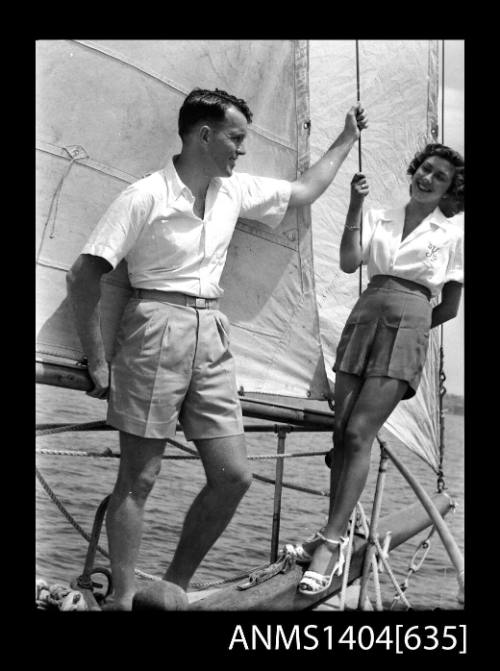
(200, 303)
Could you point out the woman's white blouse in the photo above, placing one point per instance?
(431, 255)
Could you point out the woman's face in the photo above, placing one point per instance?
(432, 180)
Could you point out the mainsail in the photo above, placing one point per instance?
(399, 85)
(107, 115)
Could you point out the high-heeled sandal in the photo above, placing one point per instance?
(298, 551)
(314, 583)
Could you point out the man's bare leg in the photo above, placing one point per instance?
(140, 464)
(228, 479)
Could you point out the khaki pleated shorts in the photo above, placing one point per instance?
(387, 332)
(172, 362)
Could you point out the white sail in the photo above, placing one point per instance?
(107, 114)
(112, 106)
(398, 86)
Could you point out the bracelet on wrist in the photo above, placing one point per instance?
(353, 228)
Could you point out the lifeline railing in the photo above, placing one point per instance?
(282, 431)
(299, 419)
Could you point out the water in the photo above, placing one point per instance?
(81, 483)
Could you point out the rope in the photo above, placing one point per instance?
(108, 453)
(223, 581)
(138, 572)
(192, 455)
(75, 524)
(381, 554)
(376, 584)
(358, 98)
(85, 426)
(345, 575)
(366, 531)
(54, 203)
(360, 169)
(442, 376)
(370, 559)
(390, 573)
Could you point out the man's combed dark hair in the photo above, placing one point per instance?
(454, 202)
(206, 105)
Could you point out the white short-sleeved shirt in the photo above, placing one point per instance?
(166, 245)
(432, 254)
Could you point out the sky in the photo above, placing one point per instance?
(453, 331)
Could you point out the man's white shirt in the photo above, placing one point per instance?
(167, 247)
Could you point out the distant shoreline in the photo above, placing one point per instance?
(454, 404)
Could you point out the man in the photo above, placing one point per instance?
(172, 359)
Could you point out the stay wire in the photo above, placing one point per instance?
(442, 376)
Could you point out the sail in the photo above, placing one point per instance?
(398, 86)
(106, 116)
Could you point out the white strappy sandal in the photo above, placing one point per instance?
(298, 551)
(314, 583)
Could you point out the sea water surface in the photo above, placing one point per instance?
(80, 483)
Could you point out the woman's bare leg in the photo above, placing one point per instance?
(376, 400)
(347, 388)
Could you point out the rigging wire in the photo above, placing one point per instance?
(441, 374)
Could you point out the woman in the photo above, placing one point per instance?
(413, 253)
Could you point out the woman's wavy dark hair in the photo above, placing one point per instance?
(206, 105)
(453, 202)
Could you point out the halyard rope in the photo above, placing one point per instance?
(360, 166)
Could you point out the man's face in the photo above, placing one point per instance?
(227, 142)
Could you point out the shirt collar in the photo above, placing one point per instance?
(398, 214)
(174, 182)
(176, 185)
(438, 218)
